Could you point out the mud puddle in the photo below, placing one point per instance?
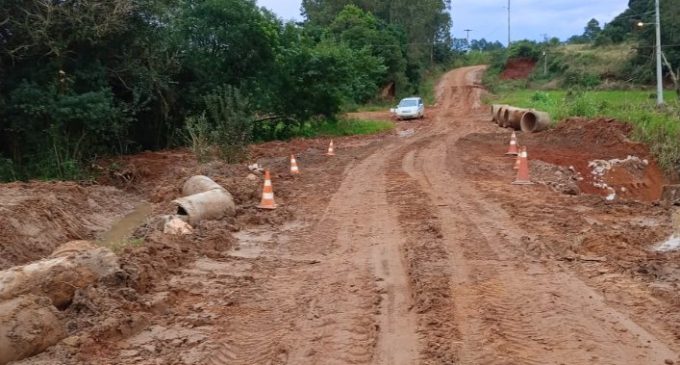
(121, 231)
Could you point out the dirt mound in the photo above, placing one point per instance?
(597, 152)
(39, 216)
(630, 171)
(28, 325)
(518, 68)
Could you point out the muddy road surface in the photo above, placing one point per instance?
(413, 250)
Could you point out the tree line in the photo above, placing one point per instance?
(636, 26)
(83, 79)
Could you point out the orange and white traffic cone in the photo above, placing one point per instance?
(512, 150)
(267, 193)
(294, 170)
(523, 171)
(331, 150)
(517, 160)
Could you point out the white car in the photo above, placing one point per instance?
(409, 108)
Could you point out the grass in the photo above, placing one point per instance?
(344, 127)
(660, 129)
(597, 60)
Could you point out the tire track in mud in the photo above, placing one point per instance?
(509, 308)
(427, 264)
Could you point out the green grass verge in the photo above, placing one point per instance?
(660, 129)
(344, 127)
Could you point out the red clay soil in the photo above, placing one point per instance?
(412, 247)
(576, 142)
(518, 69)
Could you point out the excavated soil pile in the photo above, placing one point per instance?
(603, 155)
(37, 217)
(613, 243)
(518, 68)
(595, 155)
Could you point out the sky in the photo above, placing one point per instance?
(530, 19)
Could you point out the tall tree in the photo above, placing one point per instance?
(592, 30)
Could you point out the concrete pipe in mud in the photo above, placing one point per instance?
(500, 117)
(199, 184)
(534, 121)
(209, 205)
(495, 108)
(513, 117)
(28, 326)
(58, 277)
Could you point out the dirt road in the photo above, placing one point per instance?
(409, 263)
(420, 252)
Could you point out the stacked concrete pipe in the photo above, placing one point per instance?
(513, 116)
(500, 118)
(495, 112)
(204, 199)
(534, 121)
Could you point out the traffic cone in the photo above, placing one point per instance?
(512, 151)
(331, 150)
(516, 167)
(294, 170)
(523, 170)
(267, 193)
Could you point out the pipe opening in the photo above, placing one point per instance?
(529, 121)
(181, 211)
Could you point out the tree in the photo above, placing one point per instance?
(362, 30)
(485, 46)
(592, 30)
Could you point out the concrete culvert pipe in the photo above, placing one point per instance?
(495, 108)
(59, 277)
(199, 184)
(535, 121)
(213, 204)
(500, 118)
(28, 326)
(513, 117)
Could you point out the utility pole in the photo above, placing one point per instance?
(468, 35)
(545, 63)
(659, 70)
(508, 23)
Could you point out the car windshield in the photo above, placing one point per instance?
(408, 103)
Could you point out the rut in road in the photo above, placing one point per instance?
(413, 265)
(510, 308)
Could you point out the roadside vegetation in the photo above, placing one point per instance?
(604, 72)
(84, 80)
(660, 129)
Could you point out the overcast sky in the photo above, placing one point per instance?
(489, 18)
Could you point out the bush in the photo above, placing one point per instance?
(581, 79)
(525, 49)
(198, 134)
(229, 112)
(7, 172)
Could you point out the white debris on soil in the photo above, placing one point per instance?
(407, 133)
(673, 244)
(612, 194)
(600, 168)
(256, 167)
(558, 178)
(177, 227)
